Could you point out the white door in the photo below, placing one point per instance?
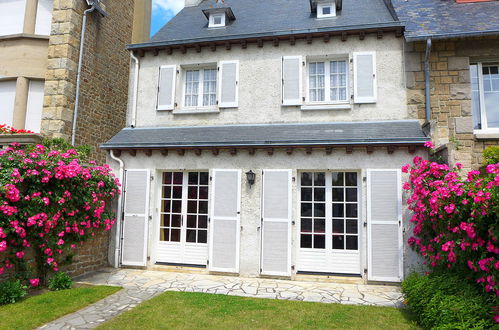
(329, 222)
(183, 223)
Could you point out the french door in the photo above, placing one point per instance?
(329, 222)
(183, 223)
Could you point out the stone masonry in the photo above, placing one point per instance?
(104, 80)
(451, 113)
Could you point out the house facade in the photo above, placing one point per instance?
(265, 138)
(458, 94)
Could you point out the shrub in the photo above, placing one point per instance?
(491, 155)
(60, 281)
(51, 200)
(447, 301)
(11, 292)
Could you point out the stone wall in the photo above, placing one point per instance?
(451, 113)
(104, 79)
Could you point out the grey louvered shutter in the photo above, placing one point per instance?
(225, 221)
(384, 220)
(166, 87)
(365, 87)
(276, 224)
(291, 80)
(229, 84)
(135, 218)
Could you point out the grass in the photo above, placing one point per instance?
(185, 310)
(38, 310)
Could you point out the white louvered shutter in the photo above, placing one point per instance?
(384, 225)
(166, 87)
(276, 224)
(365, 87)
(228, 84)
(225, 221)
(135, 218)
(291, 80)
(7, 101)
(35, 106)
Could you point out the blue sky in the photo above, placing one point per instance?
(163, 11)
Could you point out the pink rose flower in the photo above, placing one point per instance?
(34, 282)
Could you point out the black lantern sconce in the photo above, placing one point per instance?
(250, 176)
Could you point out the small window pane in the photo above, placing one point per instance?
(319, 241)
(164, 235)
(166, 206)
(306, 194)
(319, 210)
(320, 226)
(202, 236)
(191, 236)
(178, 178)
(338, 226)
(192, 207)
(319, 194)
(191, 221)
(167, 192)
(203, 178)
(175, 235)
(306, 241)
(326, 10)
(177, 192)
(351, 194)
(203, 208)
(338, 210)
(352, 226)
(202, 221)
(167, 177)
(165, 220)
(319, 179)
(203, 192)
(338, 194)
(306, 225)
(351, 179)
(337, 179)
(193, 178)
(192, 192)
(176, 220)
(352, 242)
(351, 210)
(306, 209)
(177, 206)
(338, 242)
(306, 179)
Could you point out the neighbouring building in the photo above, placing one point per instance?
(265, 138)
(39, 60)
(459, 42)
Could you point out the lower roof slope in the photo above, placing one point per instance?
(268, 135)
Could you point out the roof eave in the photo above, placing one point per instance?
(459, 35)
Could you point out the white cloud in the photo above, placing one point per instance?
(173, 6)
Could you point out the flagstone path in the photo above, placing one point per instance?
(141, 285)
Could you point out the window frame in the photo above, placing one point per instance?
(321, 6)
(327, 81)
(483, 111)
(200, 92)
(211, 20)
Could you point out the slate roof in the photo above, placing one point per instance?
(344, 133)
(446, 18)
(260, 18)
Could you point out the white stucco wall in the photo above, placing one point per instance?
(260, 83)
(359, 160)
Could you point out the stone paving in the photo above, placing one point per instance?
(141, 285)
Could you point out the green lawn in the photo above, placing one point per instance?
(38, 310)
(180, 310)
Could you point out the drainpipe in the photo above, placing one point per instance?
(78, 77)
(427, 80)
(135, 89)
(117, 250)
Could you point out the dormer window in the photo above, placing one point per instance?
(327, 9)
(216, 20)
(219, 17)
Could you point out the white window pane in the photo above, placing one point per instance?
(320, 68)
(44, 17)
(12, 16)
(35, 106)
(7, 99)
(492, 109)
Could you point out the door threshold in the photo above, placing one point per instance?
(179, 265)
(179, 268)
(329, 278)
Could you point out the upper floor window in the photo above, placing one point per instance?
(328, 81)
(13, 14)
(216, 20)
(485, 95)
(327, 9)
(200, 88)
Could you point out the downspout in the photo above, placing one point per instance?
(119, 213)
(427, 81)
(78, 77)
(135, 89)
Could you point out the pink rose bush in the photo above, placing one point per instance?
(456, 219)
(50, 202)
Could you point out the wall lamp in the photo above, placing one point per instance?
(250, 176)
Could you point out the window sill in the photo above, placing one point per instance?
(340, 106)
(486, 134)
(197, 111)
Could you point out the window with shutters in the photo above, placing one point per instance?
(200, 88)
(328, 81)
(485, 96)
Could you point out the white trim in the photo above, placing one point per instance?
(358, 99)
(194, 111)
(320, 6)
(211, 20)
(200, 91)
(288, 221)
(145, 215)
(234, 104)
(174, 82)
(299, 100)
(339, 106)
(327, 82)
(370, 222)
(212, 220)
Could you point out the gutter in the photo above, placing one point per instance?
(119, 213)
(427, 81)
(135, 89)
(452, 35)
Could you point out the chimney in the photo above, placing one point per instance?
(192, 3)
